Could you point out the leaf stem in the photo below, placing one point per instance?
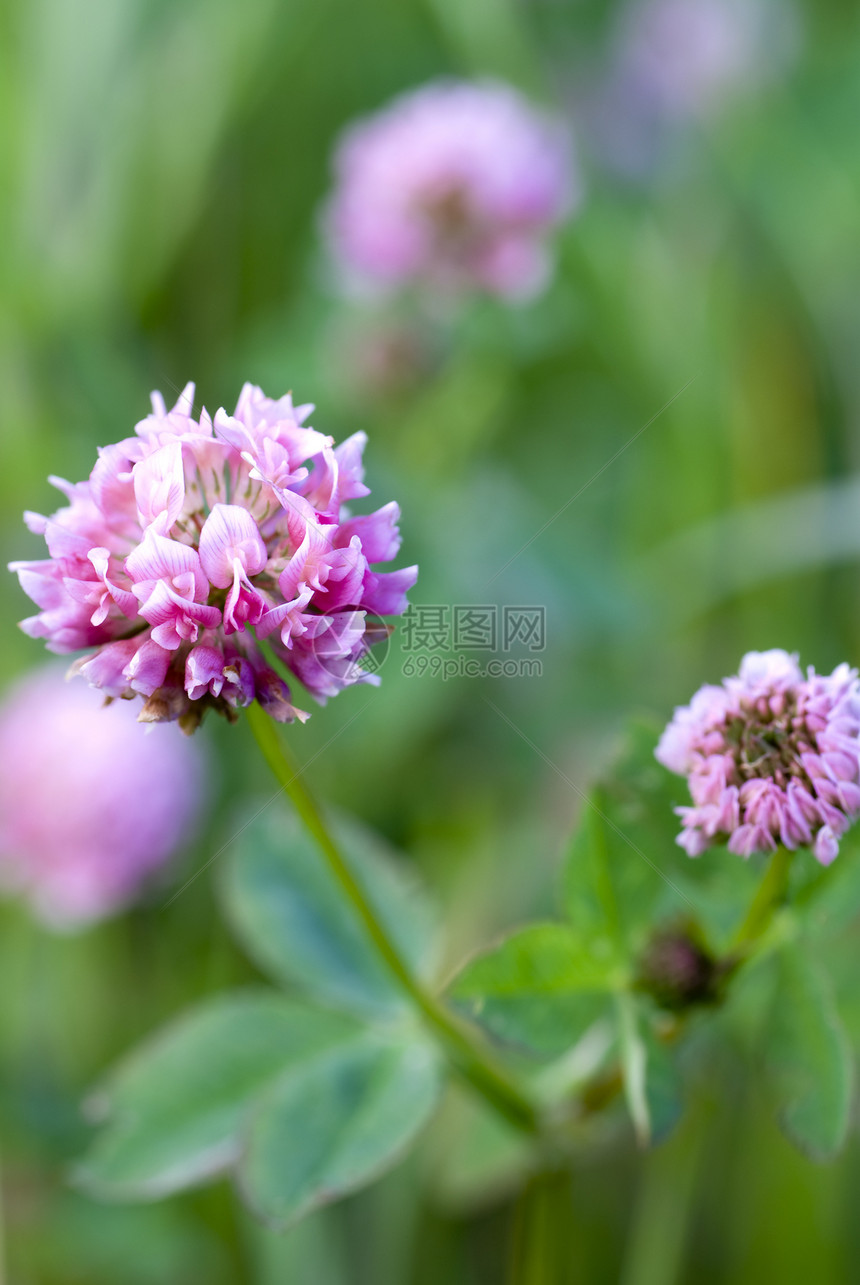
(461, 1045)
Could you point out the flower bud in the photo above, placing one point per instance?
(678, 971)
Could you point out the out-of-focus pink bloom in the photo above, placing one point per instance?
(678, 60)
(452, 186)
(91, 802)
(771, 756)
(686, 54)
(191, 533)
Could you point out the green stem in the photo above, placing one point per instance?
(661, 1221)
(541, 1234)
(473, 1062)
(769, 897)
(2, 1235)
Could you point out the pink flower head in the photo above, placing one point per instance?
(453, 186)
(91, 802)
(192, 534)
(770, 756)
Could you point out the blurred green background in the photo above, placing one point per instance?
(162, 169)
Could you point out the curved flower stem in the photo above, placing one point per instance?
(473, 1062)
(767, 900)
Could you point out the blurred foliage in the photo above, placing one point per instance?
(163, 166)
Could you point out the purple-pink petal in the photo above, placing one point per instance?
(159, 485)
(230, 535)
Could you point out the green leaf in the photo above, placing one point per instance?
(808, 1057)
(651, 1082)
(342, 1120)
(174, 1109)
(297, 924)
(624, 868)
(540, 987)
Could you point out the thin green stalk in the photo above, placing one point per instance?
(660, 1224)
(769, 897)
(473, 1062)
(2, 1235)
(541, 1241)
